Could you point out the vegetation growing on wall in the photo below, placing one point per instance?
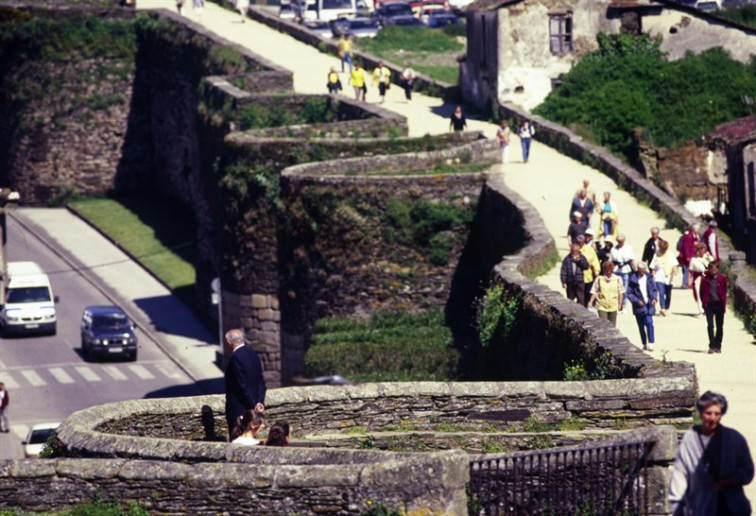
(314, 110)
(94, 507)
(742, 14)
(628, 84)
(390, 347)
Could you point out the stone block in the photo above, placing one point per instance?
(259, 301)
(265, 314)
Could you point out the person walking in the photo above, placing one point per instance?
(4, 402)
(644, 296)
(242, 6)
(408, 79)
(584, 205)
(504, 134)
(711, 240)
(649, 250)
(623, 257)
(696, 269)
(590, 193)
(686, 248)
(711, 466)
(664, 267)
(714, 301)
(357, 80)
(458, 122)
(245, 383)
(333, 82)
(594, 267)
(607, 293)
(382, 79)
(179, 5)
(571, 274)
(345, 52)
(576, 228)
(525, 132)
(199, 7)
(609, 216)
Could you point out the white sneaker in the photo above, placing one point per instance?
(650, 346)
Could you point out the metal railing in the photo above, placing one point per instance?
(603, 480)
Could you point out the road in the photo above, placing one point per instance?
(47, 377)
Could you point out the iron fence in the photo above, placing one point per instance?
(608, 480)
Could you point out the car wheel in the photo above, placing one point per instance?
(54, 329)
(133, 356)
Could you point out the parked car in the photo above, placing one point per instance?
(286, 12)
(387, 11)
(404, 21)
(357, 27)
(38, 436)
(441, 19)
(709, 6)
(106, 331)
(320, 27)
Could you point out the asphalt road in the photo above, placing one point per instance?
(48, 378)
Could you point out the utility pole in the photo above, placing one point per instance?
(6, 195)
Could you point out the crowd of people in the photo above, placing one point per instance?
(603, 273)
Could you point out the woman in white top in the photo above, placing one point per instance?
(664, 267)
(248, 426)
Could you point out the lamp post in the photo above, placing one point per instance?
(6, 195)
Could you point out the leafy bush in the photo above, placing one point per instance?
(744, 15)
(628, 84)
(393, 346)
(497, 316)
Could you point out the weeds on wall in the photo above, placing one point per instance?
(497, 316)
(600, 367)
(379, 509)
(95, 507)
(313, 110)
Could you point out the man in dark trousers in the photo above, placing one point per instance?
(245, 384)
(713, 292)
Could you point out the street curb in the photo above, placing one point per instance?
(83, 271)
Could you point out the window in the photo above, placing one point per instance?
(560, 33)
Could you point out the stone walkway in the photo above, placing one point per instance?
(548, 181)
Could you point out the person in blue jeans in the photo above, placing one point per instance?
(644, 296)
(623, 257)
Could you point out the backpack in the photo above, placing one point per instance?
(680, 243)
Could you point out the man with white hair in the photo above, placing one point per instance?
(576, 228)
(644, 297)
(649, 250)
(245, 384)
(624, 263)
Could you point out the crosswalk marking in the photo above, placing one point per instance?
(33, 378)
(61, 375)
(8, 380)
(168, 370)
(88, 374)
(141, 372)
(115, 373)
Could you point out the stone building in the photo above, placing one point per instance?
(518, 49)
(737, 142)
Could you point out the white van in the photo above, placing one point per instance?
(29, 301)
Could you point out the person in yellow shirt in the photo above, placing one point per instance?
(334, 83)
(382, 79)
(345, 52)
(594, 266)
(607, 294)
(357, 80)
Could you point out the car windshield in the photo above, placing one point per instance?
(396, 10)
(114, 322)
(337, 4)
(40, 436)
(28, 295)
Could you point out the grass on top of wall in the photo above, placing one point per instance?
(156, 233)
(391, 347)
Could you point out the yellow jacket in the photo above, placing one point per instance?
(345, 47)
(607, 292)
(381, 75)
(358, 77)
(594, 266)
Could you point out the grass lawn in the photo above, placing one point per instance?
(433, 52)
(153, 231)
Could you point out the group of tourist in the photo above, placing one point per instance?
(245, 396)
(381, 75)
(504, 134)
(605, 275)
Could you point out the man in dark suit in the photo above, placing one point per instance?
(245, 384)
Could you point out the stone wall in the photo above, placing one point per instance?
(437, 487)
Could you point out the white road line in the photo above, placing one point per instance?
(141, 372)
(61, 375)
(20, 430)
(115, 373)
(88, 374)
(168, 370)
(8, 380)
(33, 378)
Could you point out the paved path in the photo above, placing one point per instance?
(548, 181)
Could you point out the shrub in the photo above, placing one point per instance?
(628, 84)
(401, 38)
(497, 316)
(393, 346)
